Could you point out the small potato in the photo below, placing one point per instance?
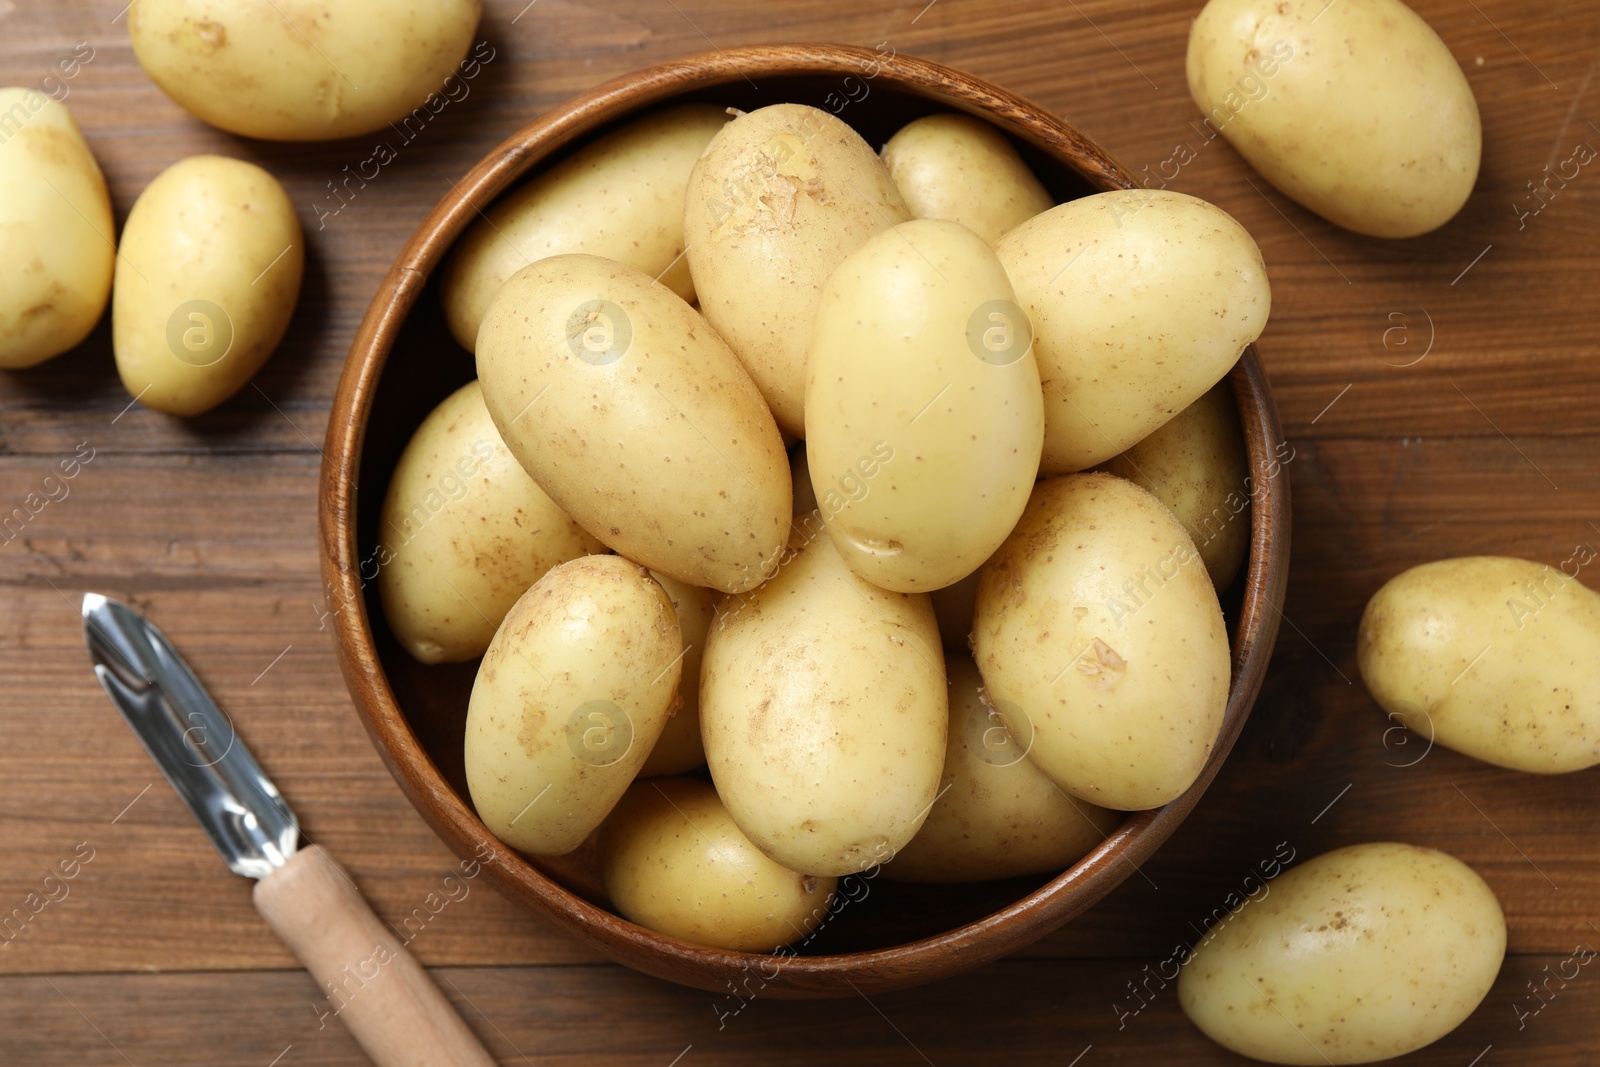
(674, 862)
(1140, 302)
(570, 698)
(464, 532)
(997, 815)
(620, 197)
(309, 72)
(823, 711)
(635, 417)
(962, 169)
(923, 405)
(1196, 465)
(57, 240)
(1093, 631)
(206, 282)
(1362, 954)
(781, 196)
(679, 749)
(1356, 110)
(1493, 657)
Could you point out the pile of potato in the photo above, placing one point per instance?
(932, 635)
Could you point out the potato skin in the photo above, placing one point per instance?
(1141, 300)
(905, 396)
(620, 197)
(997, 815)
(673, 861)
(1356, 109)
(1196, 465)
(57, 238)
(462, 519)
(210, 261)
(296, 71)
(634, 416)
(679, 749)
(1097, 626)
(584, 662)
(781, 196)
(823, 711)
(1361, 954)
(956, 167)
(1491, 656)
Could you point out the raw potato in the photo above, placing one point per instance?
(679, 749)
(636, 418)
(674, 862)
(922, 391)
(997, 815)
(571, 696)
(57, 240)
(1141, 301)
(1362, 954)
(1197, 466)
(1493, 657)
(1092, 632)
(306, 72)
(464, 532)
(621, 197)
(780, 198)
(1356, 110)
(206, 281)
(823, 710)
(962, 169)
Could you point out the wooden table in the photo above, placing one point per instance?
(1440, 394)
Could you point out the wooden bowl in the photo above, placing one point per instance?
(403, 362)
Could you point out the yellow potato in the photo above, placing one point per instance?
(620, 197)
(781, 196)
(679, 749)
(635, 417)
(823, 711)
(206, 282)
(1362, 954)
(997, 815)
(922, 391)
(1356, 110)
(959, 168)
(1196, 465)
(293, 71)
(1092, 632)
(674, 862)
(57, 240)
(1493, 657)
(1141, 301)
(463, 533)
(570, 698)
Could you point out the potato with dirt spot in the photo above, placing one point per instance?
(781, 196)
(1097, 630)
(997, 816)
(673, 861)
(630, 411)
(570, 698)
(620, 197)
(1493, 657)
(962, 169)
(1361, 954)
(463, 533)
(57, 238)
(823, 711)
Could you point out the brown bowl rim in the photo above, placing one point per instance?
(898, 966)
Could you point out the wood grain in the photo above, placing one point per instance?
(211, 526)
